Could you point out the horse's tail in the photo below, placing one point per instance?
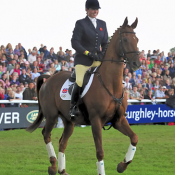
(40, 116)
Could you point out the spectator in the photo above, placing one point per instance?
(21, 48)
(12, 97)
(172, 70)
(125, 73)
(4, 77)
(24, 77)
(151, 65)
(60, 50)
(35, 65)
(51, 56)
(154, 55)
(149, 53)
(61, 56)
(16, 69)
(158, 60)
(1, 70)
(22, 88)
(159, 94)
(57, 65)
(150, 96)
(64, 65)
(7, 93)
(135, 95)
(35, 73)
(29, 72)
(154, 69)
(17, 50)
(26, 65)
(52, 68)
(32, 57)
(14, 79)
(166, 68)
(167, 84)
(41, 49)
(127, 85)
(139, 71)
(145, 86)
(18, 93)
(2, 97)
(7, 49)
(148, 61)
(71, 64)
(12, 65)
(15, 58)
(168, 57)
(30, 94)
(139, 79)
(46, 52)
(167, 76)
(159, 74)
(3, 60)
(131, 80)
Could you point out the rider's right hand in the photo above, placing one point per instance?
(95, 57)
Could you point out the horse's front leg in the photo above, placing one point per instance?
(97, 134)
(123, 126)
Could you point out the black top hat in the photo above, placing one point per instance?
(93, 4)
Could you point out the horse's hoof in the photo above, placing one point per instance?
(121, 167)
(52, 170)
(63, 172)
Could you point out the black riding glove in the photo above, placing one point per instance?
(96, 57)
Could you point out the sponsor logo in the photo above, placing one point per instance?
(65, 90)
(31, 116)
(63, 95)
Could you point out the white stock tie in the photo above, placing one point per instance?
(94, 22)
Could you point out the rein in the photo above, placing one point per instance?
(124, 60)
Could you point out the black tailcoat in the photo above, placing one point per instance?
(87, 37)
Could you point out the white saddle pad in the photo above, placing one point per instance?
(64, 94)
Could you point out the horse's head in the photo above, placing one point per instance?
(124, 42)
(127, 48)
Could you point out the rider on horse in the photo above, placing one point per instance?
(88, 35)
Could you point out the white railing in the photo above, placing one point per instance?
(129, 101)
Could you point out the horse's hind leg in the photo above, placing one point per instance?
(123, 126)
(52, 170)
(68, 130)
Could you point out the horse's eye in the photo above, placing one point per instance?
(124, 39)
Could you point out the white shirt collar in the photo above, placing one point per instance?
(92, 19)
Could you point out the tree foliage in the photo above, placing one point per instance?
(172, 49)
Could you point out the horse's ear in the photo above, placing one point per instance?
(134, 25)
(125, 23)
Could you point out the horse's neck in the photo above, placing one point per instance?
(112, 75)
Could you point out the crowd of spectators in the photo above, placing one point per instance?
(155, 79)
(19, 70)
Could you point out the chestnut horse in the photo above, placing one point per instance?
(105, 101)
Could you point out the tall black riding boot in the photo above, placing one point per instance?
(74, 99)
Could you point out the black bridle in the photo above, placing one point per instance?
(123, 55)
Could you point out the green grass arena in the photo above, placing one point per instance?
(23, 153)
